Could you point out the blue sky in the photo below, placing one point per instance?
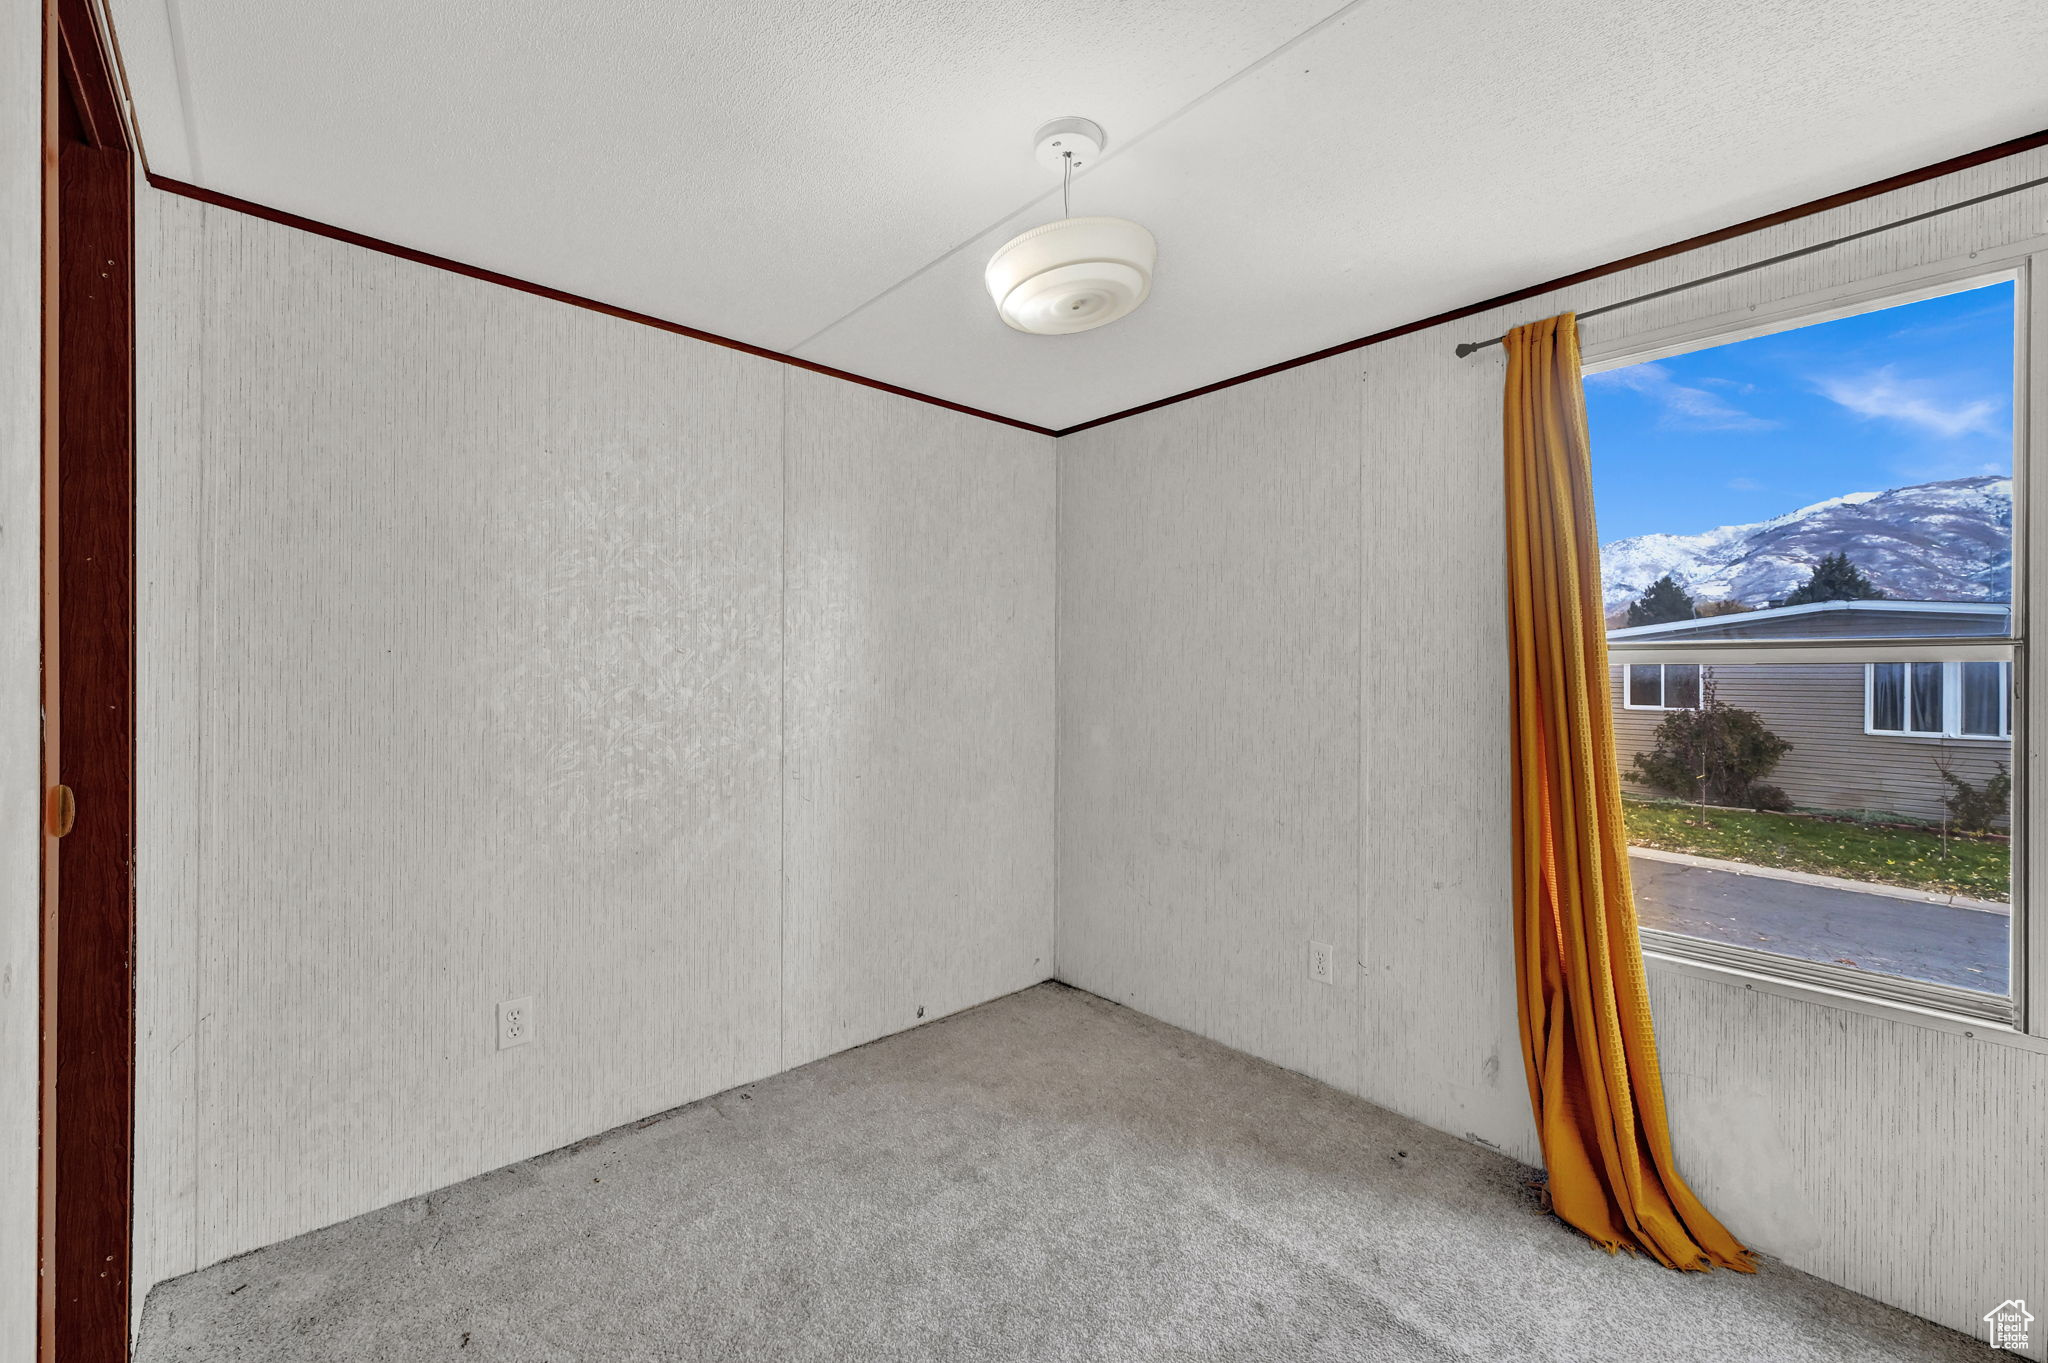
(1743, 432)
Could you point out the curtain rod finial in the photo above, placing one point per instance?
(1467, 347)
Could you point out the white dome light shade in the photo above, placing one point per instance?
(1072, 275)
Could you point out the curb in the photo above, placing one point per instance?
(1743, 868)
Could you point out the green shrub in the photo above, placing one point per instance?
(1767, 799)
(1975, 809)
(1716, 754)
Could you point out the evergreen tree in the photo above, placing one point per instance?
(1664, 602)
(1835, 579)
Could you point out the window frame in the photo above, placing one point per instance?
(2023, 1011)
(1627, 684)
(1952, 702)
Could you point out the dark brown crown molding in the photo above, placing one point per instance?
(1847, 196)
(1822, 205)
(322, 229)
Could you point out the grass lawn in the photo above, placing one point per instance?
(1976, 868)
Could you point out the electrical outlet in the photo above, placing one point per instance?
(515, 1022)
(1322, 962)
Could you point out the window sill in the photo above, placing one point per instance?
(1665, 953)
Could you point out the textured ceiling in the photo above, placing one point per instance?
(827, 177)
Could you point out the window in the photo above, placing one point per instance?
(1663, 686)
(1808, 558)
(1939, 700)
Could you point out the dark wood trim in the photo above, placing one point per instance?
(321, 229)
(88, 1005)
(1847, 196)
(88, 82)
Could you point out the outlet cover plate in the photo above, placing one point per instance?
(515, 1022)
(1322, 962)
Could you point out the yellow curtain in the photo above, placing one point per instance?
(1586, 1034)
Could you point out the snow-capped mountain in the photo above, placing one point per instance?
(1948, 541)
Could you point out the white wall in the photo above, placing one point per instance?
(1209, 721)
(1282, 686)
(21, 348)
(919, 873)
(494, 647)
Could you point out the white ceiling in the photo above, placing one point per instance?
(827, 177)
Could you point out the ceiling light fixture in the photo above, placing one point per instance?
(1078, 273)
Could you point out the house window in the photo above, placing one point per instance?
(1808, 561)
(1939, 700)
(1662, 686)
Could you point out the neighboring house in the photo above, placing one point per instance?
(1866, 737)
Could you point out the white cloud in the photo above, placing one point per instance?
(1920, 331)
(1683, 406)
(1745, 485)
(1882, 395)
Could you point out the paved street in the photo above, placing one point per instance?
(1962, 947)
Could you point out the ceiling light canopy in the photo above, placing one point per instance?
(1078, 273)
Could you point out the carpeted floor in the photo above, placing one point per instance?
(1047, 1177)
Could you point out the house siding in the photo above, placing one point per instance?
(1833, 764)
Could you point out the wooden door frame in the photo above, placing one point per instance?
(87, 1101)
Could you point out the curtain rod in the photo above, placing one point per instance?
(1468, 347)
